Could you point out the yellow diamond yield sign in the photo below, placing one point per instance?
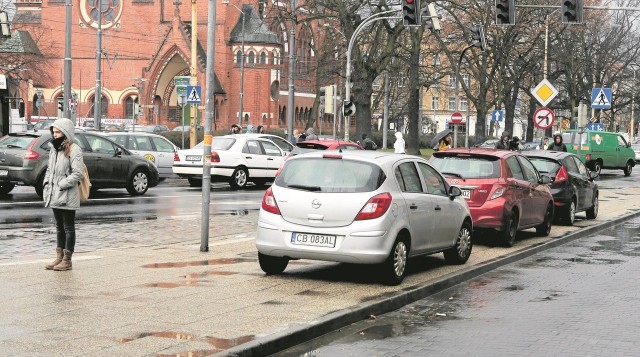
(544, 92)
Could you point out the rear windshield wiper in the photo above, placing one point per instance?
(11, 146)
(306, 188)
(453, 174)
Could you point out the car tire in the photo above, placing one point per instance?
(194, 182)
(597, 167)
(592, 212)
(511, 230)
(628, 168)
(138, 183)
(5, 188)
(239, 178)
(394, 268)
(569, 214)
(272, 265)
(461, 251)
(544, 228)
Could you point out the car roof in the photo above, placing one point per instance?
(479, 151)
(130, 133)
(327, 142)
(548, 154)
(378, 157)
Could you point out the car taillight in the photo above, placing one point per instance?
(499, 191)
(215, 157)
(176, 157)
(561, 176)
(588, 157)
(269, 202)
(375, 207)
(30, 154)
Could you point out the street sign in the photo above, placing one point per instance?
(497, 115)
(456, 118)
(595, 126)
(194, 94)
(544, 92)
(543, 118)
(601, 98)
(181, 83)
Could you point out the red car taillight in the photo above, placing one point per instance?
(30, 154)
(215, 157)
(269, 202)
(176, 158)
(588, 157)
(375, 207)
(561, 176)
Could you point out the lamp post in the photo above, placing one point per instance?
(633, 104)
(241, 99)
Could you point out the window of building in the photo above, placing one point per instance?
(401, 82)
(252, 57)
(263, 58)
(465, 79)
(129, 106)
(452, 103)
(452, 81)
(436, 81)
(104, 106)
(239, 57)
(436, 60)
(464, 104)
(434, 103)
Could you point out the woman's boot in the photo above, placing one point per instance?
(65, 264)
(59, 255)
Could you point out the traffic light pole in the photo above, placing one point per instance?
(347, 89)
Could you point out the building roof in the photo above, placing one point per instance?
(255, 31)
(20, 42)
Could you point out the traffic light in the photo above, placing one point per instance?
(477, 35)
(572, 11)
(430, 18)
(505, 12)
(61, 105)
(349, 108)
(322, 96)
(411, 12)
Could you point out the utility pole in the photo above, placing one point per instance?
(290, 102)
(97, 96)
(194, 67)
(66, 97)
(385, 111)
(241, 109)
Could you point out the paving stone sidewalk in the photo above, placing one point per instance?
(172, 300)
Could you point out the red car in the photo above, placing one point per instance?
(326, 145)
(503, 189)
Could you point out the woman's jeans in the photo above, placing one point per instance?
(65, 228)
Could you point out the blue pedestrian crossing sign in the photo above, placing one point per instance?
(601, 98)
(595, 126)
(497, 115)
(194, 94)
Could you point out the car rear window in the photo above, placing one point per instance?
(545, 166)
(15, 141)
(314, 146)
(467, 166)
(218, 144)
(330, 175)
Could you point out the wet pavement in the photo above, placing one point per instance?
(142, 287)
(579, 299)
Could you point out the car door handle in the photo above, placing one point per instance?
(98, 158)
(438, 208)
(248, 157)
(413, 206)
(269, 159)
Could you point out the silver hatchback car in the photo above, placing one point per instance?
(361, 207)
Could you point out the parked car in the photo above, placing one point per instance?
(237, 159)
(43, 125)
(504, 190)
(636, 150)
(322, 144)
(573, 188)
(24, 159)
(361, 207)
(601, 149)
(491, 143)
(155, 129)
(187, 128)
(153, 147)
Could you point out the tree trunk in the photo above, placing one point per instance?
(413, 135)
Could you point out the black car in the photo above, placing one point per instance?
(24, 158)
(573, 188)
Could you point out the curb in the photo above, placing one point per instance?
(292, 336)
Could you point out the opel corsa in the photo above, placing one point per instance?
(361, 207)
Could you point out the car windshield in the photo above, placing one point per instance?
(545, 166)
(15, 142)
(330, 175)
(467, 166)
(218, 143)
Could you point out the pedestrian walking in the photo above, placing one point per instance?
(235, 129)
(311, 135)
(445, 143)
(367, 143)
(557, 145)
(260, 129)
(399, 146)
(544, 144)
(505, 141)
(61, 191)
(294, 137)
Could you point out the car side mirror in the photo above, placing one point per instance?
(454, 191)
(545, 180)
(592, 175)
(118, 152)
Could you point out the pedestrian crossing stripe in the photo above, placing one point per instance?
(601, 98)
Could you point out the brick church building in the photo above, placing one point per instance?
(146, 43)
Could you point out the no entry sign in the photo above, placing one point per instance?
(456, 118)
(543, 118)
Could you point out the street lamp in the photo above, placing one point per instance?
(240, 109)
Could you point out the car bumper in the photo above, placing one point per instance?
(196, 171)
(362, 242)
(490, 215)
(18, 175)
(561, 196)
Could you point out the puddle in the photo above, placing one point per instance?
(274, 302)
(170, 285)
(313, 293)
(221, 261)
(514, 288)
(208, 273)
(218, 344)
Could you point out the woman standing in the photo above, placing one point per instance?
(398, 146)
(61, 192)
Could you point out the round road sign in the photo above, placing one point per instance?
(543, 118)
(456, 118)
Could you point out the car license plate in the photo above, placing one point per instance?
(4, 172)
(316, 240)
(194, 157)
(466, 194)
